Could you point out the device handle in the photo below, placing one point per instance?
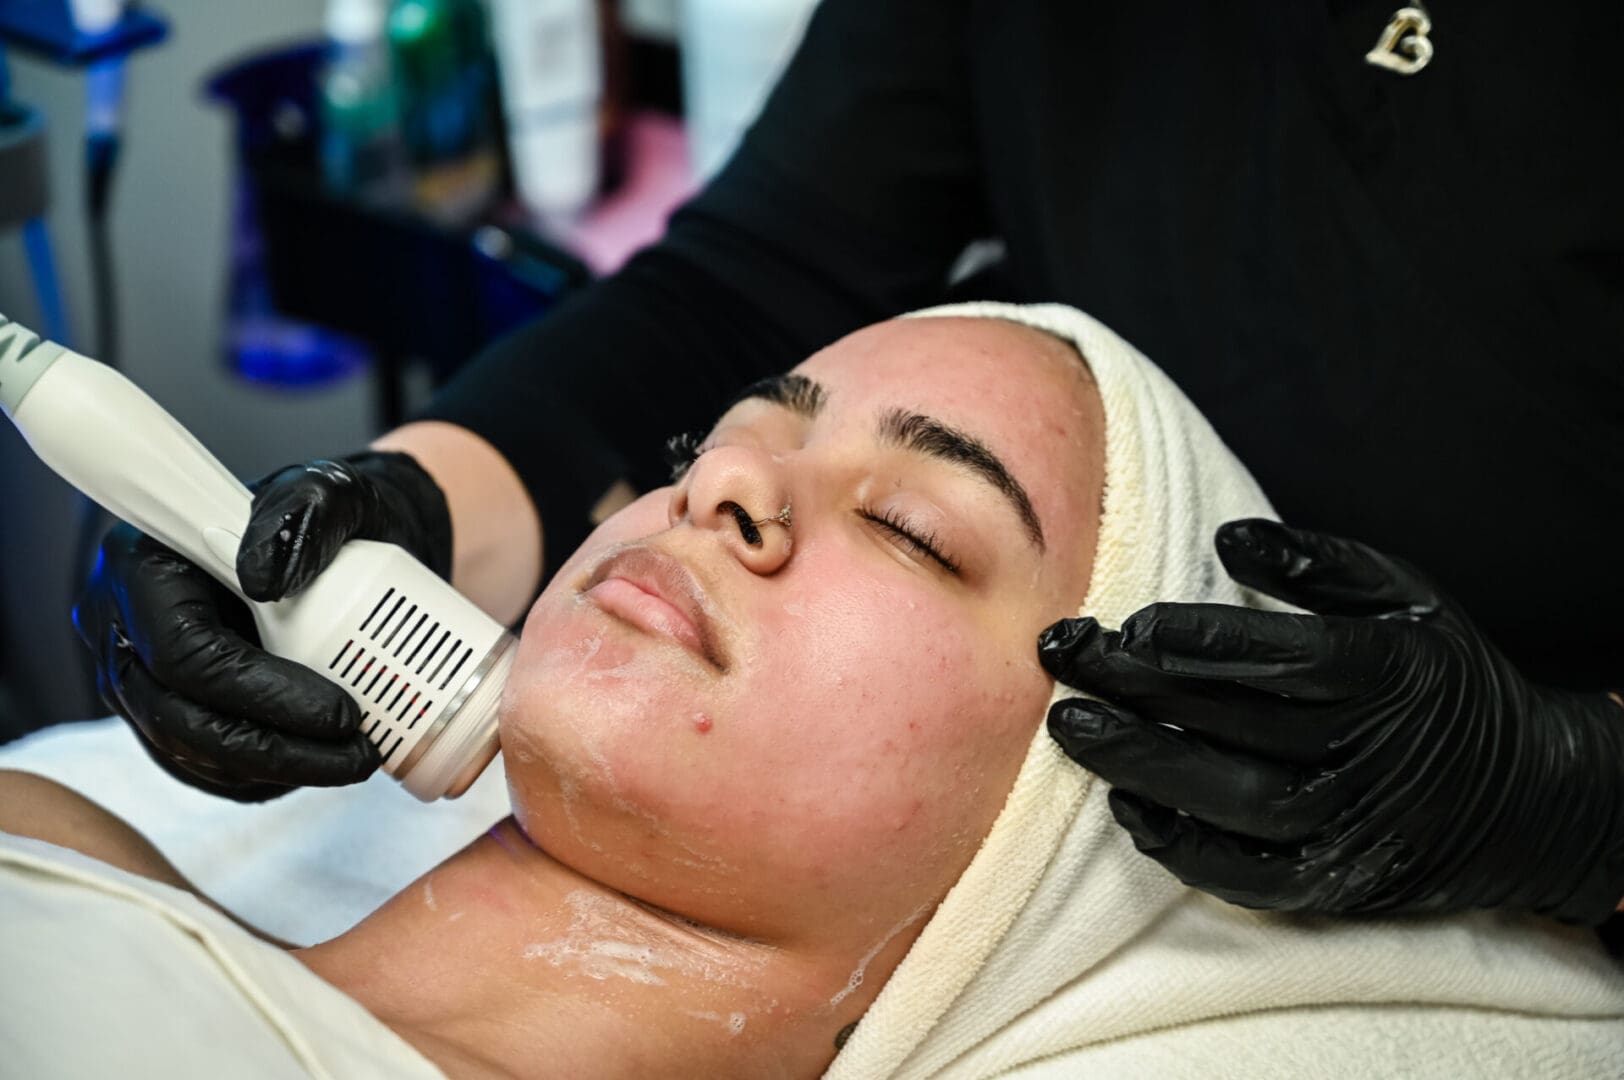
(105, 436)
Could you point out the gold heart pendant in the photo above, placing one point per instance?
(1404, 46)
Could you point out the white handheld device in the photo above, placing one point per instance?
(425, 665)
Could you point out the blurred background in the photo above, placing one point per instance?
(288, 220)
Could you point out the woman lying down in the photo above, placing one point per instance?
(771, 834)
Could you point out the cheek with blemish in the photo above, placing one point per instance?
(848, 753)
(873, 752)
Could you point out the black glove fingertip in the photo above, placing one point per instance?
(1067, 635)
(1062, 646)
(1151, 826)
(267, 564)
(329, 765)
(1253, 542)
(1077, 723)
(352, 763)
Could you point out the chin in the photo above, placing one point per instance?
(596, 730)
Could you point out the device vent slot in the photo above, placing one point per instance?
(341, 653)
(407, 640)
(399, 600)
(387, 754)
(346, 672)
(464, 659)
(399, 626)
(435, 674)
(398, 693)
(433, 653)
(424, 711)
(381, 673)
(364, 669)
(388, 686)
(376, 608)
(374, 726)
(402, 717)
(422, 641)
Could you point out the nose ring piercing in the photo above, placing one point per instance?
(747, 525)
(780, 518)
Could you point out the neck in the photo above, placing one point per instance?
(504, 962)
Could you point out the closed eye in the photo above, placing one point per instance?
(908, 534)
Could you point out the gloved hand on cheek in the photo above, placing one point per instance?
(1378, 755)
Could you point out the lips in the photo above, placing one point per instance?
(657, 594)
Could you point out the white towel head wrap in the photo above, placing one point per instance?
(1061, 939)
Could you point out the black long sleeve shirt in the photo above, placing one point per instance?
(1400, 300)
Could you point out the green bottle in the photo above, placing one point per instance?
(361, 150)
(442, 53)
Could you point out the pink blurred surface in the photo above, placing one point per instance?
(632, 216)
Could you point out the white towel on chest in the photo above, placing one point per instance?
(104, 973)
(1064, 952)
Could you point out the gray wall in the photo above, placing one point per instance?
(170, 215)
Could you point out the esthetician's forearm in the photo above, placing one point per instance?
(496, 537)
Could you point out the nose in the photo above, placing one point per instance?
(728, 490)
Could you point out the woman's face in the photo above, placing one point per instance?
(771, 728)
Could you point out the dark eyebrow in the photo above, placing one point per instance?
(794, 392)
(911, 431)
(927, 435)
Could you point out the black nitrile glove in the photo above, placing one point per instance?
(1377, 756)
(177, 654)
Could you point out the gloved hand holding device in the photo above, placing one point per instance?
(177, 655)
(1378, 755)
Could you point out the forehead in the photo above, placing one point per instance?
(946, 357)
